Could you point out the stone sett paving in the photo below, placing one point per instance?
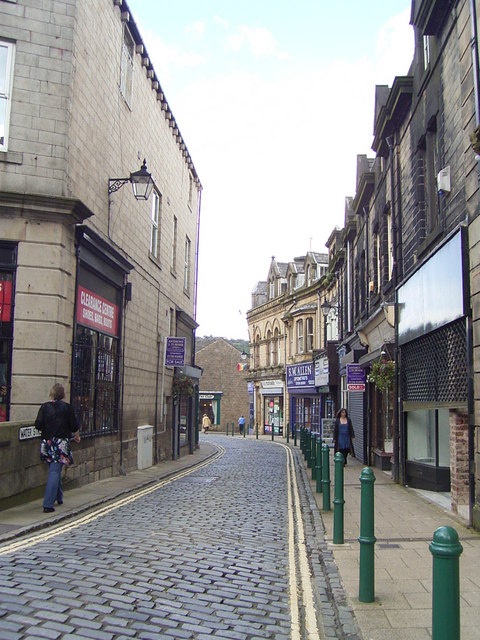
(203, 557)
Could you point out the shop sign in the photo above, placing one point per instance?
(175, 351)
(206, 396)
(96, 312)
(321, 371)
(300, 376)
(355, 377)
(270, 384)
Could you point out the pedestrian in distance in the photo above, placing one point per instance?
(241, 424)
(206, 423)
(343, 434)
(57, 423)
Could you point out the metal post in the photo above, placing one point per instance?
(308, 449)
(233, 428)
(338, 499)
(273, 433)
(295, 435)
(366, 592)
(256, 430)
(446, 549)
(318, 487)
(326, 477)
(244, 430)
(313, 456)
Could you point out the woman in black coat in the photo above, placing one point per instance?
(343, 434)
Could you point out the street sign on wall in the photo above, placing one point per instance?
(355, 377)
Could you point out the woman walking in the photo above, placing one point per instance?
(57, 423)
(343, 434)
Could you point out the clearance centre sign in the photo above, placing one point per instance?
(96, 312)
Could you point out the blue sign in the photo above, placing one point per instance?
(355, 377)
(175, 352)
(300, 376)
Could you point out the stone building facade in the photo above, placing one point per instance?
(405, 256)
(290, 339)
(93, 279)
(224, 392)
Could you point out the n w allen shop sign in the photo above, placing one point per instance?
(96, 312)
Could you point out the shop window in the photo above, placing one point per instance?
(7, 273)
(428, 437)
(95, 381)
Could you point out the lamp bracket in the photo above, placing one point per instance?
(114, 184)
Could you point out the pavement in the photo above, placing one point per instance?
(405, 522)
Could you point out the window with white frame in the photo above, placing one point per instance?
(276, 343)
(390, 243)
(126, 66)
(300, 336)
(155, 225)
(174, 244)
(186, 264)
(6, 76)
(309, 333)
(269, 349)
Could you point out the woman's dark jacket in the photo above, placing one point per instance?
(56, 420)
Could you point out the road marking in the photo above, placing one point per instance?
(297, 551)
(102, 511)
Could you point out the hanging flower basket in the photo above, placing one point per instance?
(382, 374)
(182, 386)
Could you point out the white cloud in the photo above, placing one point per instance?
(257, 40)
(196, 29)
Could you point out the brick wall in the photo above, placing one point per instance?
(219, 363)
(459, 479)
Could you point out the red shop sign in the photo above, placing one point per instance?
(96, 312)
(5, 300)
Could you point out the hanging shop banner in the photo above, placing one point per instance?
(175, 352)
(300, 376)
(355, 377)
(5, 300)
(96, 312)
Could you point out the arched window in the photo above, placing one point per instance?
(275, 349)
(269, 348)
(309, 332)
(300, 336)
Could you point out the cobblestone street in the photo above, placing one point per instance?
(204, 554)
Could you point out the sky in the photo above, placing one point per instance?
(274, 100)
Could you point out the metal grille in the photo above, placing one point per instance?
(434, 367)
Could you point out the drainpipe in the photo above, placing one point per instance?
(398, 441)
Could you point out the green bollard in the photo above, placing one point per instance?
(338, 499)
(256, 430)
(233, 428)
(308, 450)
(302, 440)
(446, 549)
(366, 592)
(227, 428)
(294, 435)
(326, 477)
(287, 427)
(313, 457)
(244, 430)
(318, 487)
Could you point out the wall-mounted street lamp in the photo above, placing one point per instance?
(243, 355)
(141, 181)
(326, 307)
